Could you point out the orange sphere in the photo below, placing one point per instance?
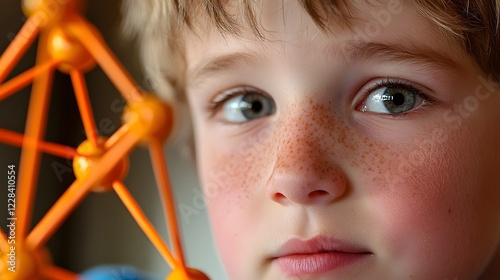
(192, 274)
(89, 156)
(69, 51)
(150, 118)
(21, 264)
(52, 9)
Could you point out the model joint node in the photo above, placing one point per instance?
(89, 155)
(22, 264)
(70, 52)
(186, 274)
(149, 118)
(51, 11)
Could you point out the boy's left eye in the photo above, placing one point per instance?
(392, 99)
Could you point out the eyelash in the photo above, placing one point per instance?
(221, 98)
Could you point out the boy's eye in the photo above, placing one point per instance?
(392, 99)
(243, 105)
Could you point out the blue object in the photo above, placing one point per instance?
(115, 273)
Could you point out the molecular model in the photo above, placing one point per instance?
(70, 44)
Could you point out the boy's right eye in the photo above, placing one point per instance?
(242, 104)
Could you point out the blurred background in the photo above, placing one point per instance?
(101, 231)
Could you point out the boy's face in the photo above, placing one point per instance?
(377, 146)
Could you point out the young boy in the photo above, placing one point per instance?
(339, 139)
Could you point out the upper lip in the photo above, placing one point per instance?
(316, 245)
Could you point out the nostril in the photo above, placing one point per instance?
(278, 196)
(317, 193)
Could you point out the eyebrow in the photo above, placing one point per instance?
(350, 52)
(220, 63)
(406, 52)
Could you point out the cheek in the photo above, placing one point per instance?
(232, 176)
(428, 209)
(230, 172)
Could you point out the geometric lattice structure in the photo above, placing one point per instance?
(70, 44)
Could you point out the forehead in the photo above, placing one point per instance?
(234, 17)
(286, 20)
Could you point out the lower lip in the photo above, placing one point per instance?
(314, 264)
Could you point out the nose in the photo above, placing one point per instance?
(305, 189)
(306, 170)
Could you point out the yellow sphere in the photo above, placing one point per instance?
(150, 118)
(69, 51)
(192, 274)
(89, 156)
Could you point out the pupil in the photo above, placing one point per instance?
(256, 106)
(398, 99)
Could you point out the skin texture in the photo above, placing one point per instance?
(418, 191)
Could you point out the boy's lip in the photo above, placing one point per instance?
(318, 244)
(317, 255)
